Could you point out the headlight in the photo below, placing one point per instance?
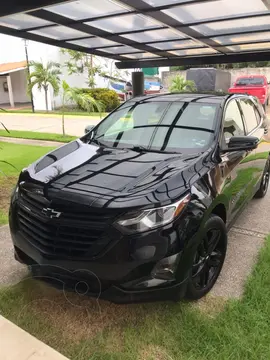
(149, 219)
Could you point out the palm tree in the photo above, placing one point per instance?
(73, 95)
(179, 84)
(43, 76)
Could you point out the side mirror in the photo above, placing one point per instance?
(88, 129)
(241, 143)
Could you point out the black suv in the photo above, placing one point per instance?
(138, 208)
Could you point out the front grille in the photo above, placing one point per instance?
(76, 233)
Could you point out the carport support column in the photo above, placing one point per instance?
(137, 83)
(10, 91)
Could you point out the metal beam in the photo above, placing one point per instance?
(253, 42)
(202, 60)
(152, 12)
(48, 41)
(225, 18)
(17, 6)
(120, 33)
(88, 29)
(232, 33)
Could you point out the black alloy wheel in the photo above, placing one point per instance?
(208, 259)
(265, 182)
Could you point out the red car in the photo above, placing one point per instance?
(256, 85)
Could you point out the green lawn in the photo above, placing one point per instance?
(82, 329)
(13, 158)
(37, 135)
(262, 155)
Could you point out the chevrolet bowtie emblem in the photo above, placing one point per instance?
(50, 213)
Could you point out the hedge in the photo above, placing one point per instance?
(109, 98)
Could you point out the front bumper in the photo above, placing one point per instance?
(86, 283)
(124, 272)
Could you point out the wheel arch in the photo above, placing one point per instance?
(220, 210)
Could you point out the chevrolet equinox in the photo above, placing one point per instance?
(139, 207)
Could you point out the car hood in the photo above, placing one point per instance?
(97, 176)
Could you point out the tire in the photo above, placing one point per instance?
(208, 258)
(264, 182)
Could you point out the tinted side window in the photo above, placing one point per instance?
(249, 114)
(233, 122)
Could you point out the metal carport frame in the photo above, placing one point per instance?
(146, 33)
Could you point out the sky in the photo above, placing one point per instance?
(12, 49)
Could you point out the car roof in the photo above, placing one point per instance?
(251, 76)
(186, 97)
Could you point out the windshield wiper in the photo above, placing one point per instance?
(141, 148)
(96, 141)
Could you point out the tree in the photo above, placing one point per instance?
(73, 95)
(80, 62)
(179, 84)
(110, 71)
(43, 76)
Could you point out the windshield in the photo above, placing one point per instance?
(250, 81)
(159, 126)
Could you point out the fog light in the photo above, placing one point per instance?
(165, 269)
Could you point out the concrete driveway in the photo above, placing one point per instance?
(74, 125)
(47, 123)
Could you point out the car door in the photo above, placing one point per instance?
(234, 166)
(254, 127)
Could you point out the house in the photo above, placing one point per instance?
(13, 73)
(13, 83)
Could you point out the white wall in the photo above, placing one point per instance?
(235, 73)
(4, 98)
(19, 86)
(12, 50)
(39, 99)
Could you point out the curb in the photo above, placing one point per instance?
(31, 141)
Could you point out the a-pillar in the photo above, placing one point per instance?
(10, 91)
(137, 83)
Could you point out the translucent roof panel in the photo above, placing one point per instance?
(93, 42)
(247, 47)
(83, 9)
(59, 33)
(125, 23)
(142, 55)
(241, 26)
(119, 49)
(194, 52)
(215, 9)
(155, 35)
(176, 44)
(165, 2)
(22, 21)
(231, 39)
